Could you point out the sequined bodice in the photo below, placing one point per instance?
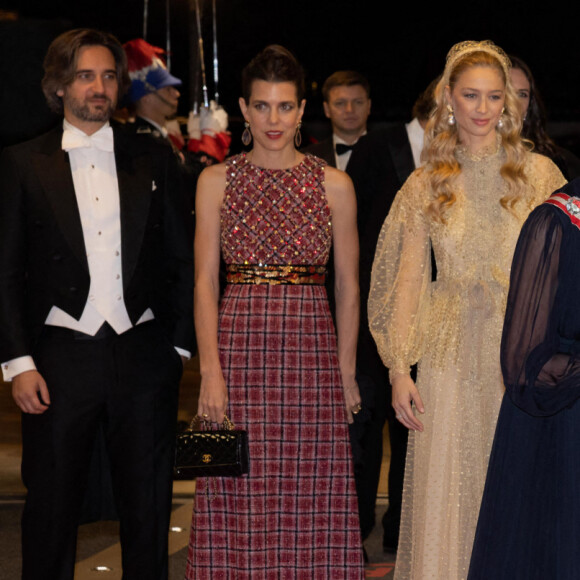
(477, 238)
(275, 216)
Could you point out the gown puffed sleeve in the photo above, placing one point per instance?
(540, 351)
(398, 305)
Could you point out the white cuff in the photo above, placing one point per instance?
(16, 366)
(183, 352)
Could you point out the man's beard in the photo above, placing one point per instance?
(85, 112)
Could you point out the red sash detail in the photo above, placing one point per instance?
(561, 200)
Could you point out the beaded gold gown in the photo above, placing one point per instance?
(452, 328)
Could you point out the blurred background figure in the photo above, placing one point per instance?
(347, 104)
(153, 93)
(209, 138)
(154, 101)
(535, 120)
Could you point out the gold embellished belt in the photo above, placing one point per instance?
(274, 275)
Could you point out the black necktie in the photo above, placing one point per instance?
(343, 148)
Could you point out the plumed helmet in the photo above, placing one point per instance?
(147, 70)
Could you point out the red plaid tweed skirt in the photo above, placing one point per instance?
(295, 515)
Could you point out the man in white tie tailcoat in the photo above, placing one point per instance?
(96, 289)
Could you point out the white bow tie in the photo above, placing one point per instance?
(102, 140)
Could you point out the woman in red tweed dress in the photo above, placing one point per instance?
(268, 350)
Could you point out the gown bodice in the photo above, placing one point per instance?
(473, 244)
(275, 216)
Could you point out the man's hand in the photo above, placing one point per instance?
(30, 392)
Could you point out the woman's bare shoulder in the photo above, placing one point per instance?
(213, 175)
(336, 180)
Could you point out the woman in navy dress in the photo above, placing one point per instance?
(529, 523)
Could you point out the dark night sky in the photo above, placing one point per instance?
(400, 55)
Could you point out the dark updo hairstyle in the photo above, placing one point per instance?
(61, 61)
(534, 126)
(275, 64)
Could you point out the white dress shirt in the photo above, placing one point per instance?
(341, 160)
(415, 134)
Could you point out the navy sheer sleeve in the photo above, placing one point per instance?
(529, 336)
(540, 350)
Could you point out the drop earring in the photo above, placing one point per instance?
(247, 134)
(298, 136)
(450, 116)
(500, 122)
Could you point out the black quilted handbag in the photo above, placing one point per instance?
(203, 452)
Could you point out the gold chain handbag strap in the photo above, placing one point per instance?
(200, 424)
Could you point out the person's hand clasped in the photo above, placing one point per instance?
(30, 392)
(213, 399)
(353, 401)
(404, 393)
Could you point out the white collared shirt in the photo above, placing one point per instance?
(415, 134)
(94, 176)
(342, 160)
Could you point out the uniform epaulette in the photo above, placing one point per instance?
(570, 205)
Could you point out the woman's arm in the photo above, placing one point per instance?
(213, 396)
(535, 368)
(342, 202)
(399, 297)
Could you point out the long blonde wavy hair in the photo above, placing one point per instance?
(441, 139)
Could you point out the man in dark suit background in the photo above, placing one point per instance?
(380, 164)
(96, 288)
(347, 104)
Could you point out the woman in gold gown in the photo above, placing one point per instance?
(468, 202)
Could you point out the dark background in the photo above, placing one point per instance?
(400, 47)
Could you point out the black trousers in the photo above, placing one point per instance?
(366, 439)
(398, 435)
(127, 383)
(366, 436)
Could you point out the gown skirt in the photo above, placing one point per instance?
(529, 522)
(295, 515)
